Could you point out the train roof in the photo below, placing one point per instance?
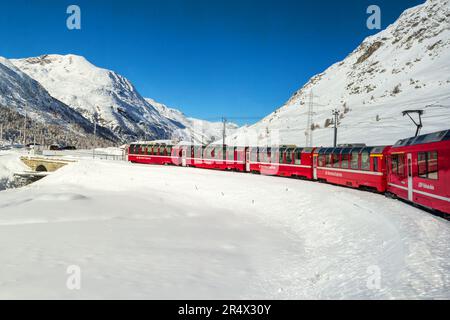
(348, 150)
(425, 138)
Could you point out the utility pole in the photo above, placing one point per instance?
(335, 113)
(224, 132)
(1, 132)
(95, 135)
(25, 127)
(309, 121)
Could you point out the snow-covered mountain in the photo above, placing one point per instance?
(406, 66)
(98, 94)
(192, 129)
(21, 94)
(110, 98)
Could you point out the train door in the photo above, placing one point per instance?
(314, 164)
(410, 176)
(183, 157)
(247, 159)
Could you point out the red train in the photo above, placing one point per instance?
(416, 169)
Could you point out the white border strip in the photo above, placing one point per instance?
(352, 171)
(421, 192)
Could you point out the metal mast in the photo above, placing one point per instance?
(335, 113)
(224, 130)
(309, 123)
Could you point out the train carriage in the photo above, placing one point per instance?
(356, 167)
(151, 153)
(419, 170)
(286, 161)
(213, 157)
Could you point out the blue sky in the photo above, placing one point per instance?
(209, 58)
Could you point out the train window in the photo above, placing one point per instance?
(198, 152)
(432, 165)
(219, 153)
(428, 165)
(298, 156)
(261, 155)
(345, 159)
(239, 154)
(365, 161)
(328, 160)
(375, 164)
(377, 150)
(254, 155)
(447, 136)
(335, 160)
(394, 164)
(230, 153)
(169, 150)
(289, 156)
(282, 151)
(397, 165)
(422, 164)
(322, 160)
(274, 155)
(401, 165)
(354, 162)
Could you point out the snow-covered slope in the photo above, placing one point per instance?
(21, 93)
(204, 234)
(406, 66)
(98, 93)
(9, 164)
(192, 129)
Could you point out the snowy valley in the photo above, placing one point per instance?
(203, 234)
(168, 229)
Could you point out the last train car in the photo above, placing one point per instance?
(419, 170)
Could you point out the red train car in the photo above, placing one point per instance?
(356, 167)
(419, 170)
(287, 161)
(214, 157)
(152, 153)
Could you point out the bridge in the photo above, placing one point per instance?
(44, 164)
